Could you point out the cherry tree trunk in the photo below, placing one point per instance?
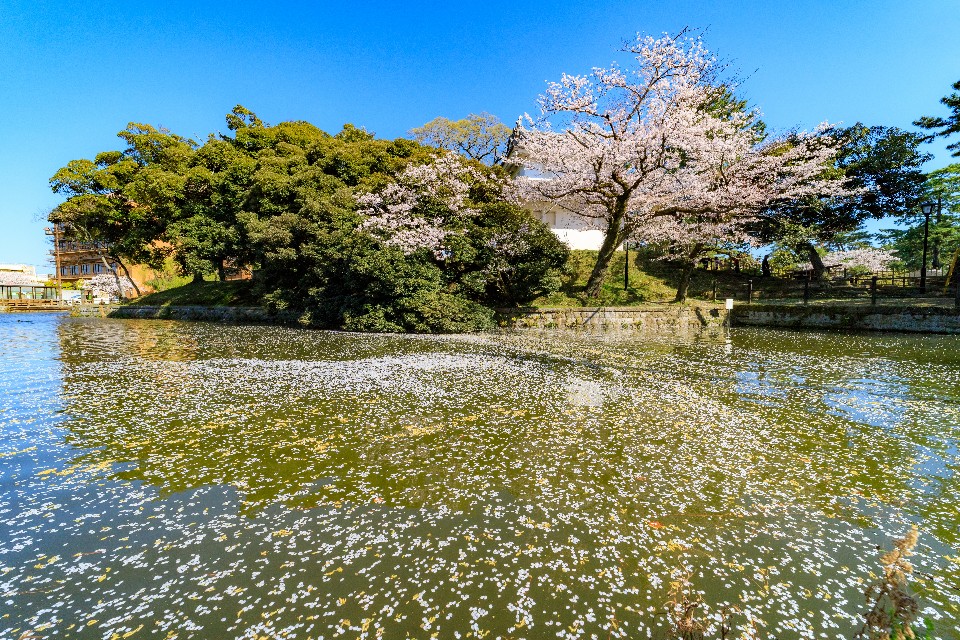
(611, 240)
(602, 268)
(818, 267)
(691, 264)
(126, 272)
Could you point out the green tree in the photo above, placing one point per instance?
(944, 127)
(882, 163)
(122, 201)
(942, 189)
(303, 219)
(206, 234)
(286, 199)
(478, 136)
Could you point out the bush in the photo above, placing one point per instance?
(332, 245)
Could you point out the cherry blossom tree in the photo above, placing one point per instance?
(12, 279)
(663, 152)
(868, 258)
(415, 212)
(107, 285)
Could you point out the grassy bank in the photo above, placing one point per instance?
(233, 293)
(650, 281)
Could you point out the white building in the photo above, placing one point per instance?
(573, 230)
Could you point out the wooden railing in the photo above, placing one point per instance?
(33, 305)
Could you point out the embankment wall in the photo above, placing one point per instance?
(231, 315)
(659, 319)
(914, 319)
(665, 319)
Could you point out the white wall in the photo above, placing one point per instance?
(574, 231)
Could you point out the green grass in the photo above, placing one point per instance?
(650, 281)
(233, 293)
(643, 288)
(165, 282)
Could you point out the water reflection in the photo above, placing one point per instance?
(242, 481)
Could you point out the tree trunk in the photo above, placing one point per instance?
(611, 240)
(116, 275)
(222, 270)
(687, 272)
(197, 277)
(126, 272)
(818, 267)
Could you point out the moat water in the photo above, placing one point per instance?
(178, 480)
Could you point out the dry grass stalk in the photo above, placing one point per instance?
(893, 607)
(682, 608)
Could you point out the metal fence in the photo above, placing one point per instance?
(873, 289)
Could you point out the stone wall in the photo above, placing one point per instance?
(853, 317)
(662, 319)
(230, 315)
(92, 310)
(656, 319)
(653, 319)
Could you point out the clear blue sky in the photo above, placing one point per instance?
(72, 74)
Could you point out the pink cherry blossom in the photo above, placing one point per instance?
(649, 153)
(395, 214)
(869, 258)
(107, 285)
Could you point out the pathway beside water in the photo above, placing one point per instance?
(194, 480)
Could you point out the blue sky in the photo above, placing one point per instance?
(72, 74)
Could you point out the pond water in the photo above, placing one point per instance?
(176, 480)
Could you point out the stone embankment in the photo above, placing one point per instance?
(652, 319)
(661, 319)
(230, 315)
(911, 319)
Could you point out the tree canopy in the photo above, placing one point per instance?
(348, 230)
(945, 127)
(664, 153)
(883, 169)
(478, 136)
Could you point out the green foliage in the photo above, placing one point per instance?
(942, 189)
(169, 277)
(949, 125)
(315, 258)
(478, 136)
(784, 259)
(908, 243)
(126, 199)
(283, 198)
(884, 162)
